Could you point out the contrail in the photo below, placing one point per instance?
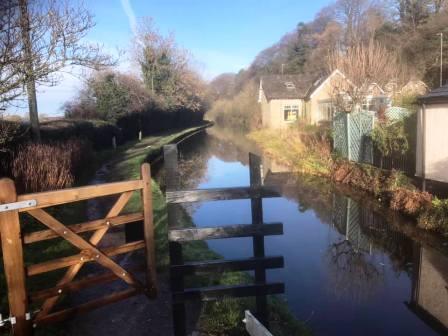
(127, 7)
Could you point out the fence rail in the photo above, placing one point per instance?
(34, 204)
(257, 230)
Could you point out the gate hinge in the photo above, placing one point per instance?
(17, 205)
(12, 319)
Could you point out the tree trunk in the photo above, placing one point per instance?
(29, 69)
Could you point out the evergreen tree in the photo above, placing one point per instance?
(300, 51)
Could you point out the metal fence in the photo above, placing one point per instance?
(402, 162)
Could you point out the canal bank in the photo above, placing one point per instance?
(309, 151)
(137, 315)
(352, 266)
(154, 317)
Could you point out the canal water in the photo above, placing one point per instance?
(350, 269)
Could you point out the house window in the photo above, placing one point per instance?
(326, 110)
(291, 112)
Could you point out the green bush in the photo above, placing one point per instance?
(390, 138)
(436, 217)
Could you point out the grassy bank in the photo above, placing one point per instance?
(126, 161)
(216, 318)
(308, 150)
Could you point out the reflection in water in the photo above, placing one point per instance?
(429, 298)
(352, 273)
(349, 268)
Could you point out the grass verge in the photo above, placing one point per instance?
(132, 154)
(216, 318)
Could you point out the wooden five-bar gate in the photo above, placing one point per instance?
(257, 229)
(13, 241)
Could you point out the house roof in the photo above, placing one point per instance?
(437, 95)
(294, 86)
(286, 86)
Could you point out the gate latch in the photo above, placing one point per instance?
(17, 205)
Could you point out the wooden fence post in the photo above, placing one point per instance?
(13, 261)
(148, 229)
(175, 248)
(258, 240)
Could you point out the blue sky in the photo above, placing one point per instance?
(222, 35)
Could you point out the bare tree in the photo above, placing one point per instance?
(47, 39)
(155, 54)
(11, 55)
(166, 68)
(364, 64)
(351, 13)
(413, 13)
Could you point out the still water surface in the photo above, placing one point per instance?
(349, 269)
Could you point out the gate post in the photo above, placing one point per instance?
(148, 229)
(13, 261)
(258, 240)
(175, 248)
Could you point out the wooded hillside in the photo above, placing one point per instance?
(409, 29)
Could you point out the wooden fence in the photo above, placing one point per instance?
(14, 241)
(257, 230)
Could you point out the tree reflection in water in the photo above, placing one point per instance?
(352, 273)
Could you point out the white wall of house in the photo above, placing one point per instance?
(277, 108)
(320, 96)
(314, 110)
(432, 142)
(319, 99)
(273, 111)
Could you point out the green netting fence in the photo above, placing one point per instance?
(351, 135)
(352, 139)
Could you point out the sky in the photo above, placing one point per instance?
(221, 35)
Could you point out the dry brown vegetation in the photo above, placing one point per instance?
(389, 186)
(305, 149)
(41, 167)
(410, 202)
(240, 113)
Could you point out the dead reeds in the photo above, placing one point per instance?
(48, 166)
